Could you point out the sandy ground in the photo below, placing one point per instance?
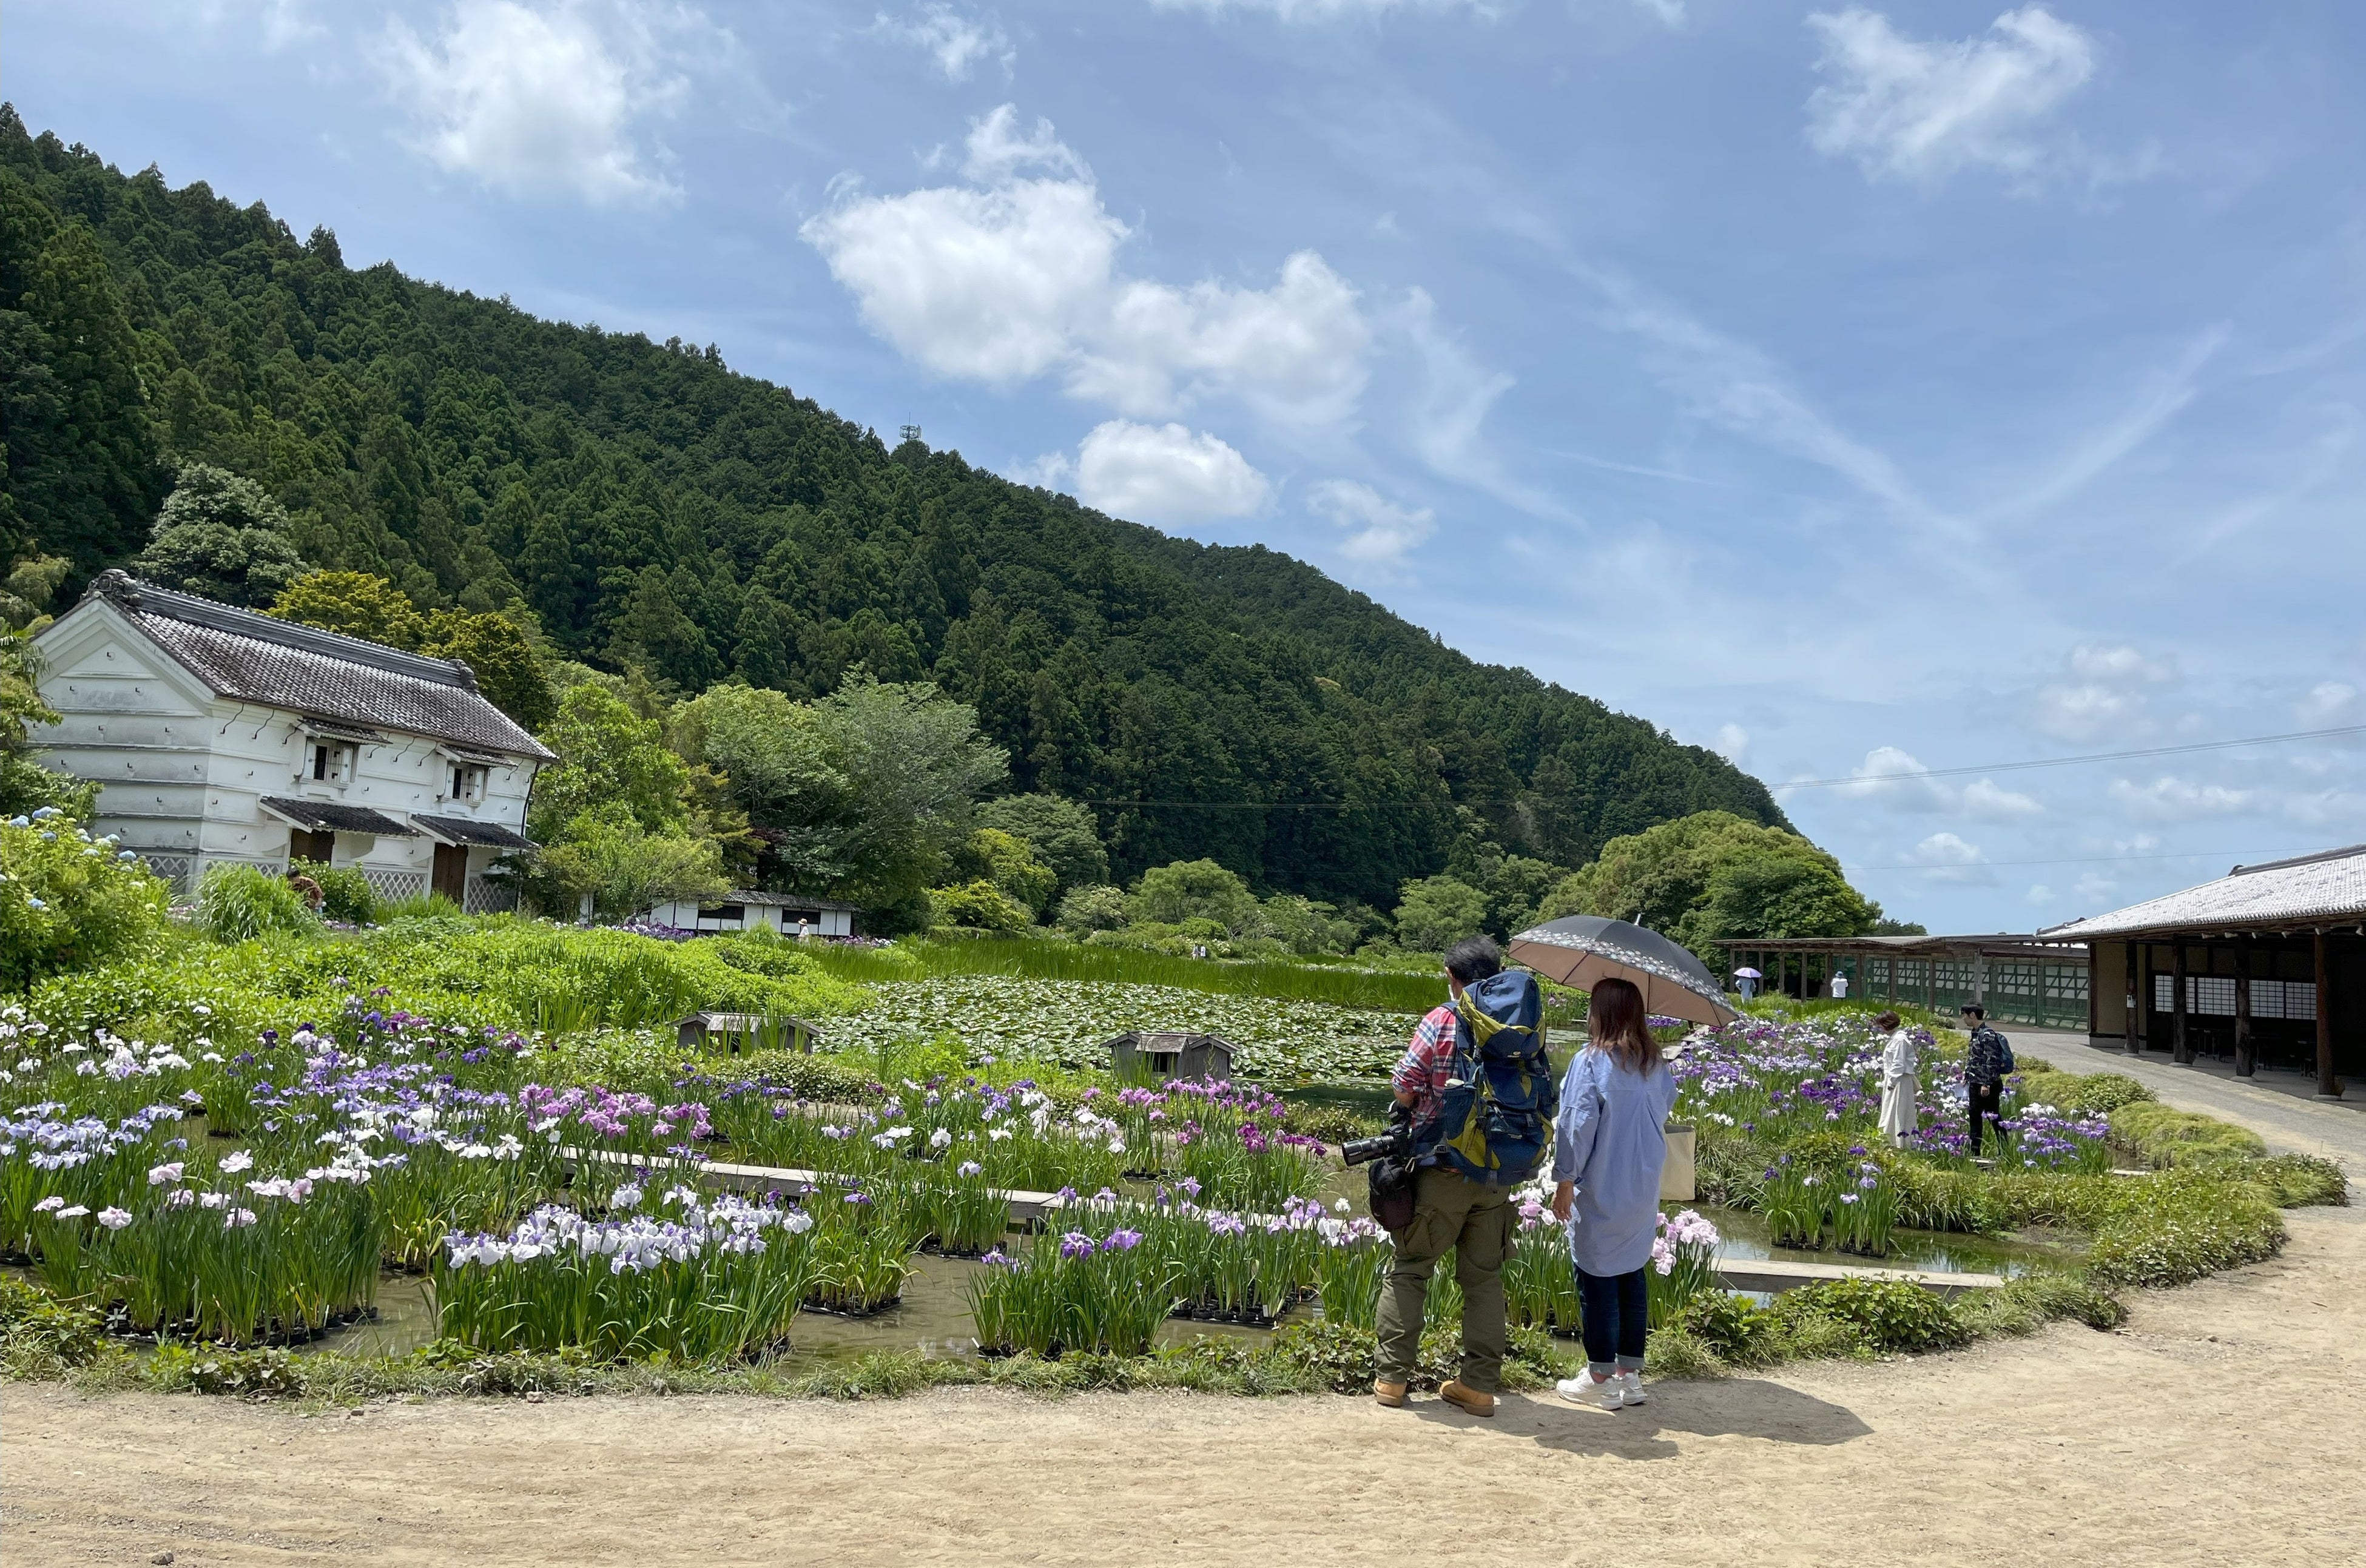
(2223, 1426)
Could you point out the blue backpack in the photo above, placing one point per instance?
(1495, 1115)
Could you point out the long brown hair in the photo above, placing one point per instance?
(1615, 1020)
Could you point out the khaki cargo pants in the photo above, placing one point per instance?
(1476, 1221)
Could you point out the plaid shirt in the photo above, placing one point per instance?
(1428, 1063)
(1984, 1063)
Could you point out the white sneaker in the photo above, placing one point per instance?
(1602, 1393)
(1630, 1388)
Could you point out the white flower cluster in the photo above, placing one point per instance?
(638, 1242)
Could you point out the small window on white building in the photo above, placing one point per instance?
(466, 781)
(327, 761)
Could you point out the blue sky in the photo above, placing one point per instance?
(1856, 389)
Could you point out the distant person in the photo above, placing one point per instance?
(805, 927)
(1987, 1065)
(1479, 1088)
(1839, 987)
(1901, 1081)
(1608, 1151)
(1747, 982)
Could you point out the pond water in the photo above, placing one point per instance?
(1742, 1234)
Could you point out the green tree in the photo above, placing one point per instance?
(914, 764)
(508, 670)
(610, 854)
(1197, 890)
(83, 470)
(220, 537)
(1009, 863)
(609, 758)
(25, 785)
(1667, 878)
(978, 906)
(1094, 907)
(1062, 833)
(778, 758)
(1309, 928)
(357, 604)
(1436, 912)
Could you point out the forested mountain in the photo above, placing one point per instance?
(655, 509)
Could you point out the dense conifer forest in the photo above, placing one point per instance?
(655, 509)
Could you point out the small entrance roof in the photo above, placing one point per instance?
(328, 816)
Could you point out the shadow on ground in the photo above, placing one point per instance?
(1728, 1407)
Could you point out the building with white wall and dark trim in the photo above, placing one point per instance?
(2265, 967)
(217, 734)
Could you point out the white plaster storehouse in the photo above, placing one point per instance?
(220, 735)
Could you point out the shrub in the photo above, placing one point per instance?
(2095, 1094)
(1092, 909)
(239, 903)
(1890, 1314)
(253, 1374)
(1735, 1328)
(345, 894)
(978, 906)
(2300, 1180)
(41, 1335)
(2163, 1137)
(67, 900)
(2178, 1226)
(2029, 1303)
(419, 907)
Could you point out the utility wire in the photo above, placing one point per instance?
(1789, 783)
(2239, 857)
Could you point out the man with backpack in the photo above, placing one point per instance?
(1987, 1065)
(1481, 1094)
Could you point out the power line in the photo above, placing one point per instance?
(1789, 783)
(2237, 857)
(2070, 761)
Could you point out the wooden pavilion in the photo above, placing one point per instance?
(2018, 978)
(2266, 965)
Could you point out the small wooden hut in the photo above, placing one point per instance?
(738, 1031)
(1159, 1054)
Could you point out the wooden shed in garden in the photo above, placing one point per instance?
(1151, 1054)
(738, 1031)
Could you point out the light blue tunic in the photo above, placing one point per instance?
(1609, 1139)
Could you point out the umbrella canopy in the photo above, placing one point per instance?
(1748, 974)
(1584, 950)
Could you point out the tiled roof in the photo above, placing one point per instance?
(326, 814)
(467, 830)
(260, 659)
(2319, 889)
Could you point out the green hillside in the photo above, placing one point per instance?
(655, 509)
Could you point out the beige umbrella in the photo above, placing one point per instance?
(1582, 951)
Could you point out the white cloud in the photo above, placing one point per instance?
(1670, 11)
(958, 42)
(1732, 743)
(281, 22)
(1448, 424)
(1164, 474)
(2104, 699)
(1015, 274)
(549, 97)
(2171, 799)
(1948, 858)
(1899, 780)
(2041, 894)
(1337, 10)
(1986, 801)
(2093, 888)
(1921, 111)
(2329, 702)
(1385, 531)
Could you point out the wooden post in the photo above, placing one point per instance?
(1931, 984)
(2246, 1065)
(2327, 1084)
(2181, 1046)
(2139, 993)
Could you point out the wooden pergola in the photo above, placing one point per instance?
(2018, 978)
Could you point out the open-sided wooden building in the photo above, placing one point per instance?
(2266, 966)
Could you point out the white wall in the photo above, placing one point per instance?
(684, 916)
(183, 772)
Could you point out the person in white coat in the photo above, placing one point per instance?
(1901, 1081)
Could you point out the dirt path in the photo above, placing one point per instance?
(2158, 1445)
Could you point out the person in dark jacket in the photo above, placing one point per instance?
(1986, 1066)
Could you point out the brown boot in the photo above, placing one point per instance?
(1392, 1394)
(1469, 1400)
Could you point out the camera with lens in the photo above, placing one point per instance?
(1394, 1143)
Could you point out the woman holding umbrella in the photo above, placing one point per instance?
(1608, 1145)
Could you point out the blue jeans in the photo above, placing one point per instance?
(1618, 1310)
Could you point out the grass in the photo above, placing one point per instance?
(1035, 958)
